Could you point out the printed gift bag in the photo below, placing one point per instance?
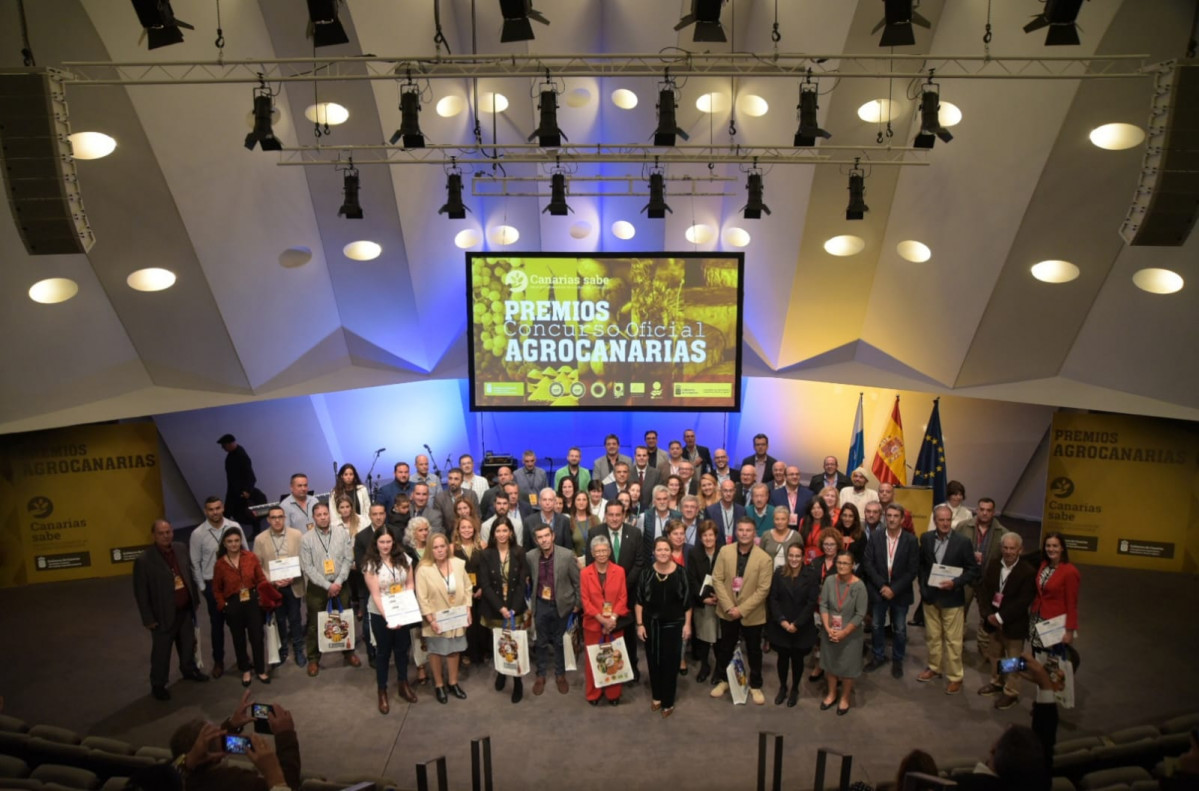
(738, 678)
(510, 650)
(609, 663)
(334, 630)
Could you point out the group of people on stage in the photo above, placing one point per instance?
(670, 548)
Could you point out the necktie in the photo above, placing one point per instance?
(640, 476)
(615, 545)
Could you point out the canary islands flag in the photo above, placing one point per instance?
(857, 447)
(890, 464)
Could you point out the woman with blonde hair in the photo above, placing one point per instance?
(442, 583)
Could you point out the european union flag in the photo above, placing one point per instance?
(930, 464)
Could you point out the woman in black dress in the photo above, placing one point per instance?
(664, 622)
(791, 630)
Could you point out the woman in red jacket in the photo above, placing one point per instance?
(605, 601)
(235, 580)
(1057, 590)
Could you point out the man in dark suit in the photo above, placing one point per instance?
(699, 456)
(619, 483)
(487, 504)
(627, 553)
(645, 474)
(761, 461)
(745, 485)
(1004, 598)
(891, 563)
(422, 507)
(830, 477)
(653, 522)
(943, 599)
(240, 485)
(444, 501)
(559, 523)
(792, 495)
(725, 513)
(167, 596)
(555, 576)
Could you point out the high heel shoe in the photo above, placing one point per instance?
(422, 677)
(245, 680)
(265, 679)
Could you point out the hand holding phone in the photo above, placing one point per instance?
(262, 712)
(236, 745)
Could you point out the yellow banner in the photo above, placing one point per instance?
(1121, 489)
(78, 502)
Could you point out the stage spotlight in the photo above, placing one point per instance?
(668, 126)
(351, 209)
(753, 209)
(547, 133)
(517, 14)
(324, 28)
(930, 123)
(159, 23)
(705, 15)
(656, 208)
(409, 131)
(1060, 17)
(898, 18)
(263, 134)
(808, 130)
(557, 206)
(454, 208)
(857, 208)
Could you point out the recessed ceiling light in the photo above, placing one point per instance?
(1158, 281)
(53, 290)
(622, 229)
(736, 237)
(294, 257)
(580, 229)
(949, 114)
(1117, 137)
(449, 106)
(362, 250)
(916, 252)
(752, 105)
(330, 113)
(92, 145)
(579, 97)
(698, 234)
(878, 111)
(845, 245)
(624, 98)
(503, 235)
(151, 279)
(468, 238)
(1054, 271)
(490, 102)
(712, 103)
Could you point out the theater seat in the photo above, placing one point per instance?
(1134, 734)
(1182, 724)
(15, 744)
(1081, 743)
(157, 753)
(312, 784)
(114, 746)
(11, 766)
(55, 734)
(1124, 775)
(13, 724)
(1062, 784)
(67, 776)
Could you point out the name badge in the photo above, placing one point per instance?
(737, 583)
(310, 525)
(330, 569)
(978, 557)
(504, 595)
(547, 593)
(178, 583)
(834, 621)
(607, 610)
(395, 587)
(532, 499)
(997, 600)
(244, 595)
(473, 579)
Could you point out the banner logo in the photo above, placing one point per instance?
(516, 281)
(1061, 487)
(40, 507)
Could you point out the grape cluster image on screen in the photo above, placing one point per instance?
(658, 331)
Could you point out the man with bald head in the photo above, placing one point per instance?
(886, 496)
(726, 513)
(487, 504)
(778, 476)
(720, 466)
(167, 597)
(424, 476)
(792, 495)
(830, 477)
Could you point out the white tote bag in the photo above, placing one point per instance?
(738, 678)
(510, 650)
(609, 663)
(272, 641)
(568, 648)
(334, 630)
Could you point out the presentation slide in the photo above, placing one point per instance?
(652, 331)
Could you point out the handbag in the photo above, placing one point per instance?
(334, 631)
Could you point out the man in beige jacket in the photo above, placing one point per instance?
(280, 543)
(742, 576)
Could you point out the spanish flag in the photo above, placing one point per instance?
(888, 465)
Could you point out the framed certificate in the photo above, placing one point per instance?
(283, 569)
(942, 573)
(452, 618)
(401, 609)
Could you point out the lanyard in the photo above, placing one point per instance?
(278, 549)
(325, 544)
(391, 571)
(892, 545)
(447, 578)
(841, 599)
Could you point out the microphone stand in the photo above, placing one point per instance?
(370, 481)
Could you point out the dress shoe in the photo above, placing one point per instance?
(613, 701)
(719, 690)
(301, 659)
(715, 679)
(896, 669)
(384, 707)
(442, 696)
(196, 675)
(927, 675)
(655, 705)
(266, 679)
(406, 692)
(313, 668)
(539, 685)
(457, 692)
(218, 669)
(779, 698)
(500, 682)
(667, 712)
(352, 660)
(160, 693)
(245, 680)
(874, 663)
(758, 698)
(518, 690)
(563, 687)
(282, 657)
(594, 702)
(1005, 701)
(954, 688)
(793, 698)
(988, 690)
(703, 674)
(825, 705)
